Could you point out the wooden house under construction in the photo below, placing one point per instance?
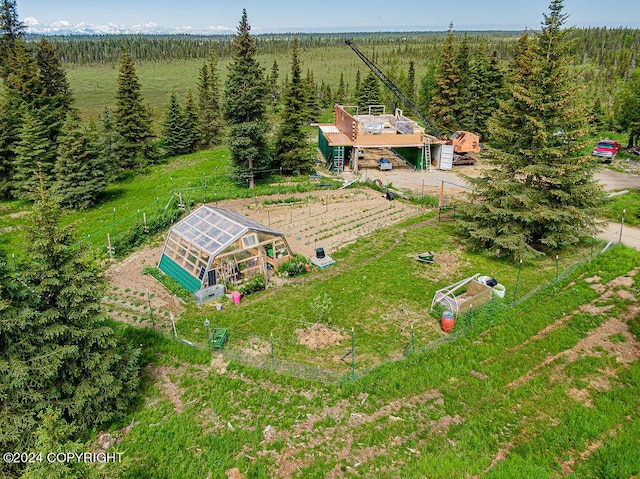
(343, 142)
(214, 245)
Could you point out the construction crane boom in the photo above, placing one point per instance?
(406, 101)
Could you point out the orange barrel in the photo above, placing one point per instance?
(447, 321)
(235, 297)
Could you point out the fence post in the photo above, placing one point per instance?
(114, 222)
(173, 325)
(515, 290)
(557, 269)
(353, 354)
(273, 356)
(624, 212)
(206, 325)
(413, 343)
(153, 321)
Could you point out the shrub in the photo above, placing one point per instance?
(293, 267)
(135, 236)
(255, 283)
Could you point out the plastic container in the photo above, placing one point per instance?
(320, 253)
(499, 290)
(218, 306)
(447, 321)
(235, 297)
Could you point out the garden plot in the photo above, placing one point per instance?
(325, 219)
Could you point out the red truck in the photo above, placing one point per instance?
(607, 149)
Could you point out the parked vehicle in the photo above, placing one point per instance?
(607, 149)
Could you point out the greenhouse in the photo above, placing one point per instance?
(217, 246)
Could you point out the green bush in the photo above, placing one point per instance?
(129, 239)
(294, 266)
(256, 283)
(169, 283)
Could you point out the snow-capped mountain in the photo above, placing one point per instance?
(64, 27)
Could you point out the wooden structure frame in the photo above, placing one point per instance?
(374, 129)
(214, 245)
(462, 296)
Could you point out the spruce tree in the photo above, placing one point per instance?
(427, 87)
(108, 142)
(245, 108)
(539, 192)
(80, 175)
(11, 28)
(369, 93)
(209, 112)
(341, 93)
(482, 94)
(21, 92)
(273, 85)
(34, 157)
(192, 130)
(357, 87)
(445, 106)
(292, 149)
(131, 118)
(56, 99)
(410, 84)
(173, 132)
(312, 103)
(57, 350)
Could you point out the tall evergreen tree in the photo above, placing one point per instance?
(369, 93)
(34, 157)
(292, 149)
(79, 172)
(410, 85)
(57, 349)
(57, 98)
(173, 132)
(482, 94)
(192, 135)
(108, 142)
(21, 93)
(131, 118)
(312, 103)
(357, 87)
(209, 111)
(11, 28)
(445, 106)
(273, 85)
(245, 107)
(341, 93)
(539, 191)
(427, 87)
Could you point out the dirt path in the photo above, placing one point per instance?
(630, 235)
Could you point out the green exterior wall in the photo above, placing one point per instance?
(411, 155)
(177, 272)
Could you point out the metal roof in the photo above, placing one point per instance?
(213, 229)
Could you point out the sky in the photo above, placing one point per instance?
(265, 16)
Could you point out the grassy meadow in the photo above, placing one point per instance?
(546, 389)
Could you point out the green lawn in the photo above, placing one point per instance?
(501, 400)
(629, 203)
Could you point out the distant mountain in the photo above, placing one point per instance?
(66, 28)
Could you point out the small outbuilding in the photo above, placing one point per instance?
(214, 246)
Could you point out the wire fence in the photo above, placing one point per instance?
(280, 352)
(183, 193)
